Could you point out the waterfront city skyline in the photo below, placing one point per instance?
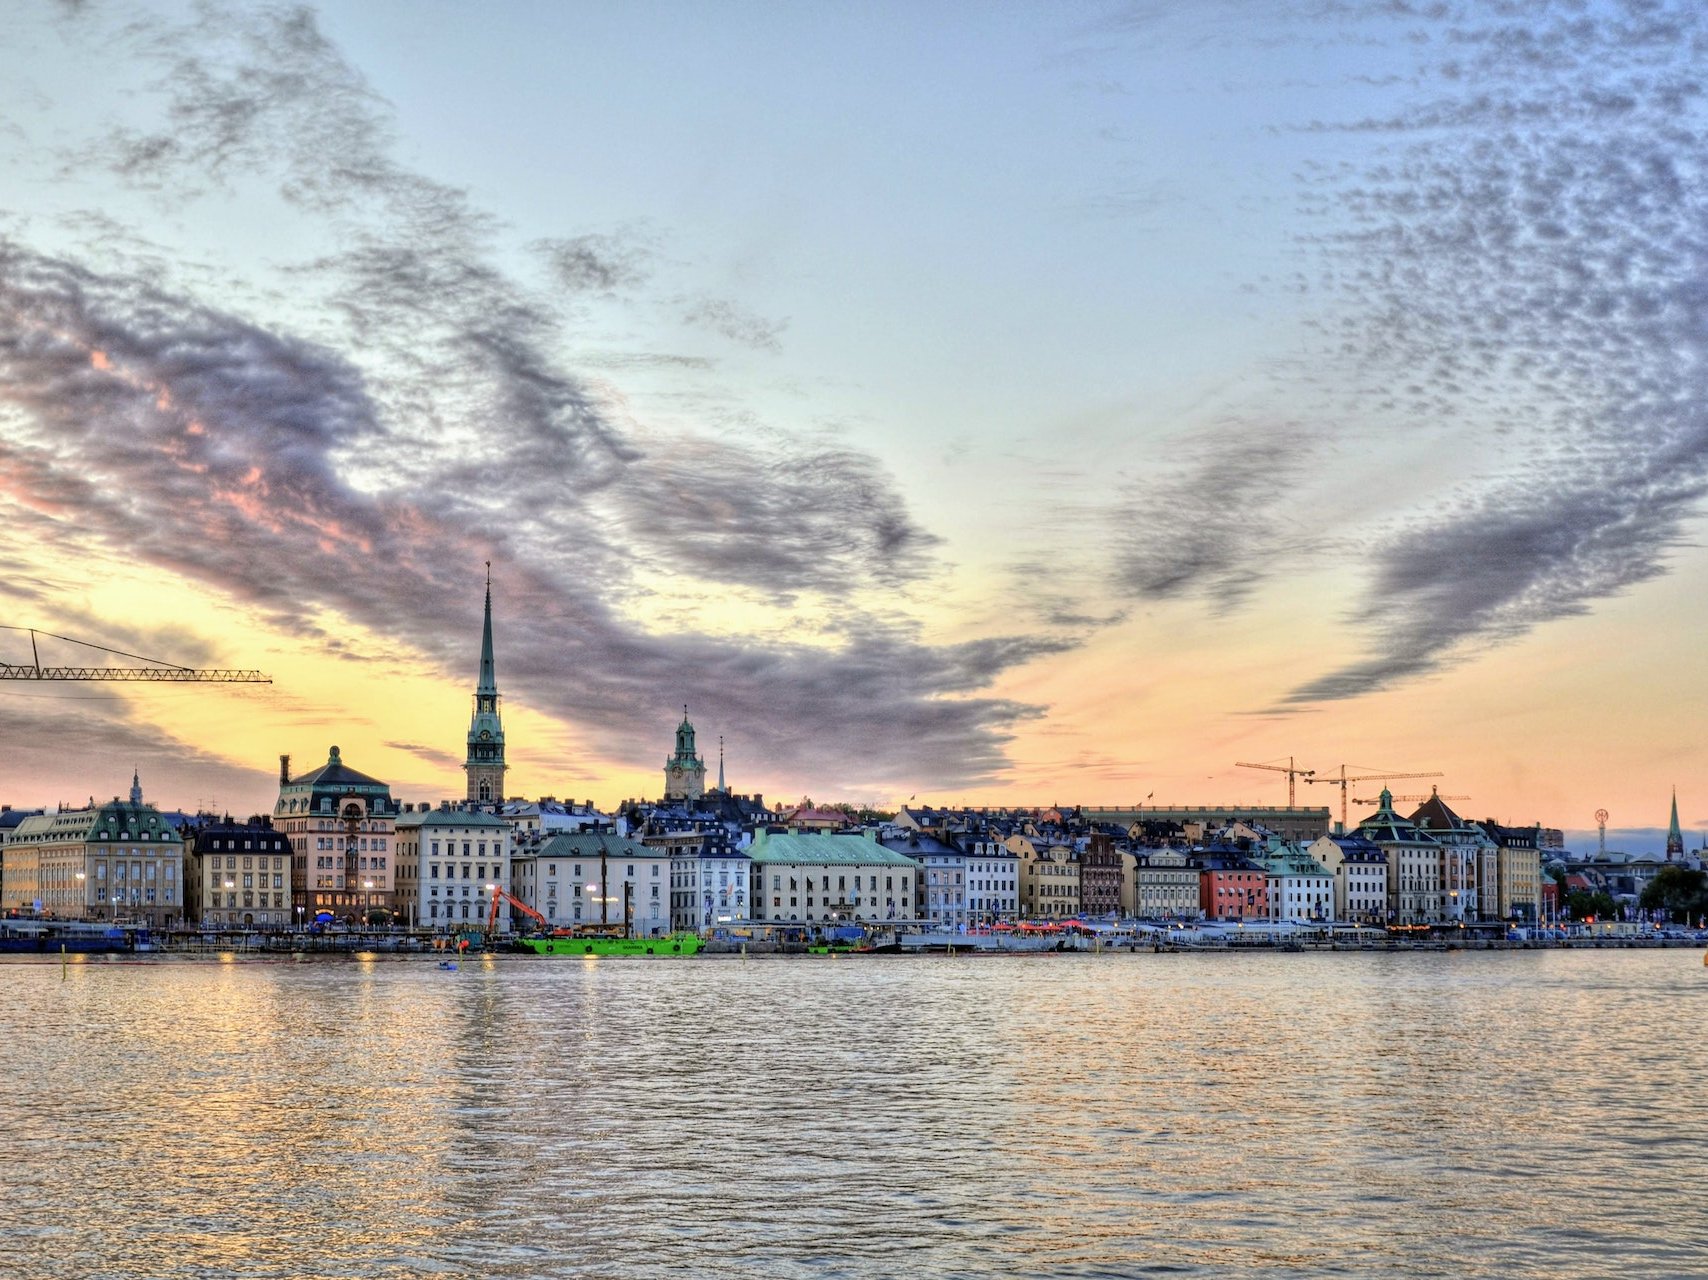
(1009, 407)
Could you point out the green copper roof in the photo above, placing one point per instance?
(824, 850)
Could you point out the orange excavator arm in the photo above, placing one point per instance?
(498, 893)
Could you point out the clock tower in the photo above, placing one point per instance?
(485, 764)
(684, 772)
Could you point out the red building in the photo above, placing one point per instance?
(1231, 886)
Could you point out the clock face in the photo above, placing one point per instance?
(486, 735)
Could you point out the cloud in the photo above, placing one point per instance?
(1210, 526)
(428, 423)
(736, 323)
(1524, 254)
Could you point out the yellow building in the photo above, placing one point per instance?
(119, 861)
(1049, 878)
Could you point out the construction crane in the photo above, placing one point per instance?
(1344, 778)
(1433, 795)
(1287, 769)
(160, 672)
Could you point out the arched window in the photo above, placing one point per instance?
(485, 790)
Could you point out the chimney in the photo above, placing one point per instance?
(284, 771)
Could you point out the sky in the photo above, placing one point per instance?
(999, 404)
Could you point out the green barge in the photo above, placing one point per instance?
(675, 944)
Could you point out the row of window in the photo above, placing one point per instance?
(216, 881)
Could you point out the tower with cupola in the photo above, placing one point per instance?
(685, 771)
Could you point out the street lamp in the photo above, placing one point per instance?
(82, 902)
(230, 911)
(367, 901)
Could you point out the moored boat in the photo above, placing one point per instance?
(675, 944)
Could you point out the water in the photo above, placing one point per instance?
(1470, 1115)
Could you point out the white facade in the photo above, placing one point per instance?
(459, 858)
(1360, 877)
(1159, 884)
(709, 890)
(598, 879)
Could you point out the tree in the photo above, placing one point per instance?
(1581, 904)
(1679, 891)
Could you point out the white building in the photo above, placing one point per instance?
(458, 857)
(993, 879)
(1300, 888)
(598, 879)
(1360, 872)
(710, 887)
(943, 898)
(1159, 884)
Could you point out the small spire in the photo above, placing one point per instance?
(721, 762)
(1674, 836)
(136, 791)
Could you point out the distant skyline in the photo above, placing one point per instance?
(1016, 404)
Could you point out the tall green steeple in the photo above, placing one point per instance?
(1674, 837)
(485, 765)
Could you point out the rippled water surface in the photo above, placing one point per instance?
(1532, 1114)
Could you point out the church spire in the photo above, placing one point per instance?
(485, 765)
(1674, 837)
(721, 786)
(136, 793)
(488, 672)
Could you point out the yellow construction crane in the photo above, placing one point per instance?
(1287, 769)
(159, 672)
(1433, 795)
(1344, 778)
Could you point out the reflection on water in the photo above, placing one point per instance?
(1417, 1115)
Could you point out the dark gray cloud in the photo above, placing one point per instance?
(1212, 525)
(367, 469)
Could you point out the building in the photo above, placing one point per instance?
(1518, 870)
(684, 771)
(1231, 886)
(943, 898)
(993, 878)
(821, 878)
(597, 879)
(1360, 872)
(1049, 877)
(1300, 888)
(239, 877)
(1100, 877)
(1468, 859)
(340, 823)
(1300, 823)
(455, 857)
(119, 861)
(1163, 885)
(484, 764)
(711, 883)
(1415, 893)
